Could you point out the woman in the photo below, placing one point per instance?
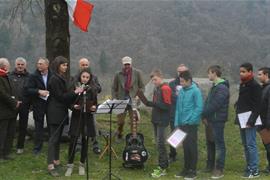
(58, 103)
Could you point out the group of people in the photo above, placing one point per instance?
(177, 104)
(50, 93)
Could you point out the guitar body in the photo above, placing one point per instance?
(134, 154)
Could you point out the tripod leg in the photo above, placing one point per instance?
(114, 153)
(104, 151)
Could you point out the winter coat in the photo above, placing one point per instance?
(189, 106)
(217, 102)
(18, 82)
(118, 86)
(161, 105)
(59, 100)
(83, 122)
(249, 100)
(7, 102)
(265, 106)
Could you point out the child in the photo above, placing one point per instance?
(189, 106)
(82, 123)
(160, 118)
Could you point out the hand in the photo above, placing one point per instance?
(93, 108)
(79, 90)
(43, 93)
(76, 106)
(18, 104)
(205, 122)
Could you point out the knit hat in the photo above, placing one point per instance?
(126, 60)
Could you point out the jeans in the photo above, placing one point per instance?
(72, 149)
(220, 148)
(159, 132)
(248, 136)
(121, 120)
(190, 146)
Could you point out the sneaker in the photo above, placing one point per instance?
(53, 172)
(69, 170)
(251, 174)
(191, 174)
(96, 150)
(158, 172)
(81, 169)
(183, 173)
(217, 174)
(19, 151)
(208, 170)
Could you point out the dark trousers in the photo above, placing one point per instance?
(7, 133)
(121, 120)
(39, 112)
(172, 153)
(72, 151)
(267, 149)
(190, 146)
(159, 132)
(23, 123)
(55, 131)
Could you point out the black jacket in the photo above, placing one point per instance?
(34, 84)
(217, 102)
(59, 100)
(18, 82)
(173, 85)
(265, 106)
(7, 103)
(249, 100)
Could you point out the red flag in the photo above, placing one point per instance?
(80, 12)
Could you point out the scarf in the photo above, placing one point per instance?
(3, 73)
(128, 75)
(249, 77)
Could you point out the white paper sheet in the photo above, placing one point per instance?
(243, 118)
(176, 138)
(119, 106)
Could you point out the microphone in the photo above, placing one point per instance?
(84, 87)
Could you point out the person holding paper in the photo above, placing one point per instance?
(161, 105)
(126, 84)
(249, 100)
(36, 88)
(175, 86)
(215, 114)
(264, 78)
(189, 106)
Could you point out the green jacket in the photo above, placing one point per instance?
(118, 86)
(7, 103)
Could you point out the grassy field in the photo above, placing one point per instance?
(30, 167)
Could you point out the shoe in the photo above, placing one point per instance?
(183, 173)
(53, 172)
(191, 174)
(96, 150)
(251, 174)
(81, 169)
(69, 169)
(208, 170)
(172, 159)
(266, 170)
(158, 172)
(19, 151)
(217, 174)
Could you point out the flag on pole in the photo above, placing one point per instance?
(80, 12)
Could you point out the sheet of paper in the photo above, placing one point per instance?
(119, 106)
(243, 118)
(176, 138)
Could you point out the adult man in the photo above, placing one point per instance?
(18, 79)
(175, 87)
(8, 106)
(84, 63)
(264, 78)
(249, 100)
(215, 114)
(37, 89)
(125, 85)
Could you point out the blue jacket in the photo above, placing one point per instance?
(189, 106)
(217, 103)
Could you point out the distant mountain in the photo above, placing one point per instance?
(159, 34)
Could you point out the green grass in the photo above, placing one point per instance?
(27, 166)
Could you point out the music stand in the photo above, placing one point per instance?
(109, 107)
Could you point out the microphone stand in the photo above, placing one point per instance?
(85, 132)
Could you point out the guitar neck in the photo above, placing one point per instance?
(135, 117)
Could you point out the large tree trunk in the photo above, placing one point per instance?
(57, 29)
